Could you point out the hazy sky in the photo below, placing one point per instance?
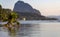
(46, 7)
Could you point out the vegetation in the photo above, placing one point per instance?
(9, 16)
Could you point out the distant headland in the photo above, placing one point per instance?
(26, 11)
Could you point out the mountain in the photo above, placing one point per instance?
(20, 6)
(25, 10)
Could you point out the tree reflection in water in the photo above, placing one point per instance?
(12, 29)
(18, 30)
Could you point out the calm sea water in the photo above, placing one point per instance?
(33, 29)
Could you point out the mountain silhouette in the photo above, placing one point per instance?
(20, 6)
(25, 10)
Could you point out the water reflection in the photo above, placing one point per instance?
(25, 30)
(32, 30)
(11, 31)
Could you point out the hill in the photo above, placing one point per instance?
(26, 11)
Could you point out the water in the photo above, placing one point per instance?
(33, 29)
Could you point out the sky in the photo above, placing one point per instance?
(46, 7)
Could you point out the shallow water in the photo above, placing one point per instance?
(47, 29)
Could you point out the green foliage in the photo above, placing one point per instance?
(10, 16)
(7, 14)
(14, 15)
